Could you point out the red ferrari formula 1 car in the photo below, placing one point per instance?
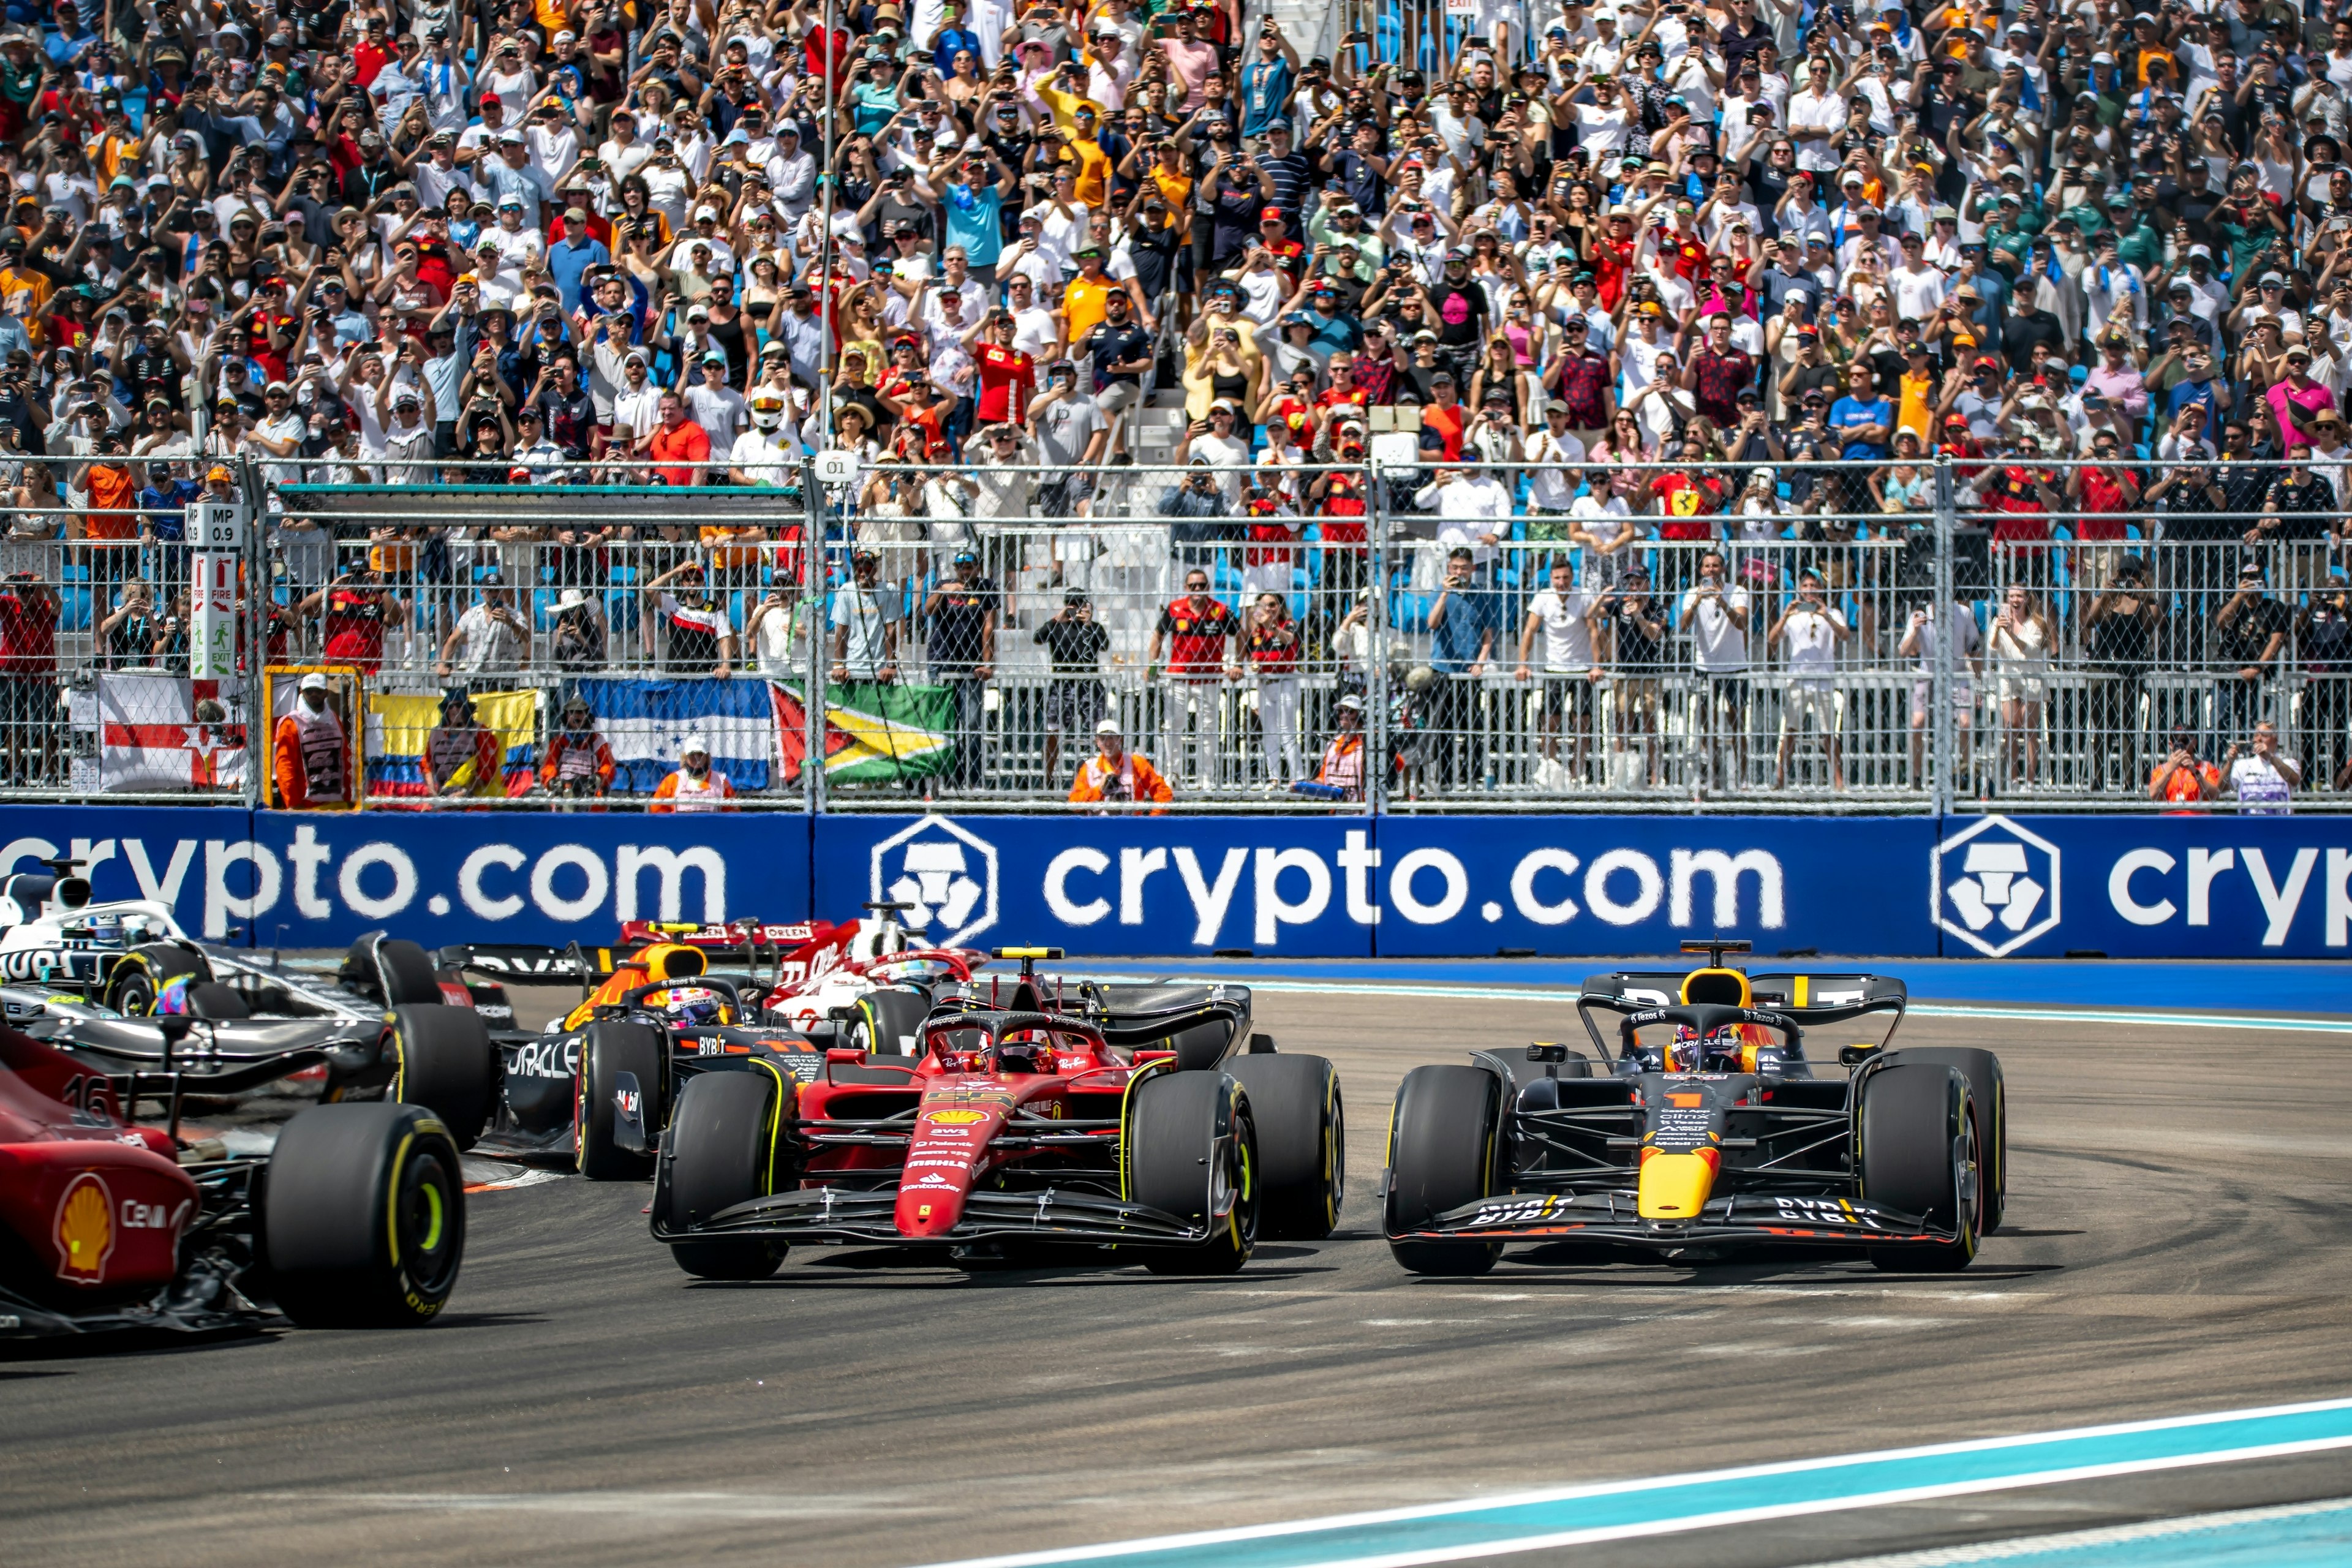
(355, 1217)
(1016, 1130)
(1705, 1133)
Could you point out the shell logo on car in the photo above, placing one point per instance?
(957, 1117)
(85, 1230)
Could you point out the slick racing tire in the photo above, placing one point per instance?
(1191, 1152)
(363, 1221)
(720, 1151)
(1916, 1147)
(617, 1099)
(442, 1060)
(1302, 1147)
(144, 971)
(1989, 1094)
(1445, 1149)
(889, 1021)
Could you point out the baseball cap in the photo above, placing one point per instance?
(312, 682)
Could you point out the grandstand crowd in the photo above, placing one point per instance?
(1633, 281)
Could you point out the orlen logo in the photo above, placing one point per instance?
(1995, 886)
(948, 874)
(85, 1230)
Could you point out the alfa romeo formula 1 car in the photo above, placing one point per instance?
(1701, 1129)
(1030, 1124)
(355, 1217)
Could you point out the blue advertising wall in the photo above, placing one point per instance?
(2138, 887)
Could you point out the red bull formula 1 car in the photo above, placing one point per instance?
(1039, 1120)
(1701, 1129)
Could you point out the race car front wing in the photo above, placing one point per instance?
(1755, 1219)
(865, 1216)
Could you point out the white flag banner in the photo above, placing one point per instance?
(150, 738)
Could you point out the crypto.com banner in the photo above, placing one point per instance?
(319, 879)
(1348, 887)
(2139, 887)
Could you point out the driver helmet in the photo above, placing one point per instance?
(1689, 1047)
(692, 1005)
(172, 997)
(106, 931)
(768, 408)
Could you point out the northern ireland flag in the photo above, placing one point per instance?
(149, 737)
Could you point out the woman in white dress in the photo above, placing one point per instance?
(2021, 643)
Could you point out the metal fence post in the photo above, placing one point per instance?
(1942, 619)
(1376, 645)
(258, 593)
(813, 596)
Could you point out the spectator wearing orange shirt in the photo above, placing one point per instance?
(1115, 777)
(2183, 776)
(678, 441)
(114, 515)
(310, 751)
(695, 786)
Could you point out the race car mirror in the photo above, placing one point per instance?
(1546, 1052)
(1854, 1056)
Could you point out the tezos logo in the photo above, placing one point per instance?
(1996, 886)
(948, 874)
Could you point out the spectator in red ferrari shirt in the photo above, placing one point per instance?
(1198, 632)
(373, 54)
(2101, 493)
(2021, 499)
(28, 677)
(1008, 377)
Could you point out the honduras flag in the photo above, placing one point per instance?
(645, 722)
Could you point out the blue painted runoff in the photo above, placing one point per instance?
(2321, 1538)
(1817, 1485)
(2248, 987)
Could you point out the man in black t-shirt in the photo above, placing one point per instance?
(2248, 634)
(1076, 643)
(1460, 306)
(1635, 625)
(1122, 353)
(963, 614)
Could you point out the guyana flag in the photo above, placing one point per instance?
(873, 733)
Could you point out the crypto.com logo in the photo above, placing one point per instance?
(1995, 886)
(948, 875)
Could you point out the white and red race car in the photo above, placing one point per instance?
(866, 976)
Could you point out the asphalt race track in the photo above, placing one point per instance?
(2179, 1213)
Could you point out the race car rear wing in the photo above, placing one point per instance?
(528, 962)
(1808, 1000)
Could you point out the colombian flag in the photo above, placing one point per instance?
(397, 727)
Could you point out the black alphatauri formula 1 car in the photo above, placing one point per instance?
(1701, 1130)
